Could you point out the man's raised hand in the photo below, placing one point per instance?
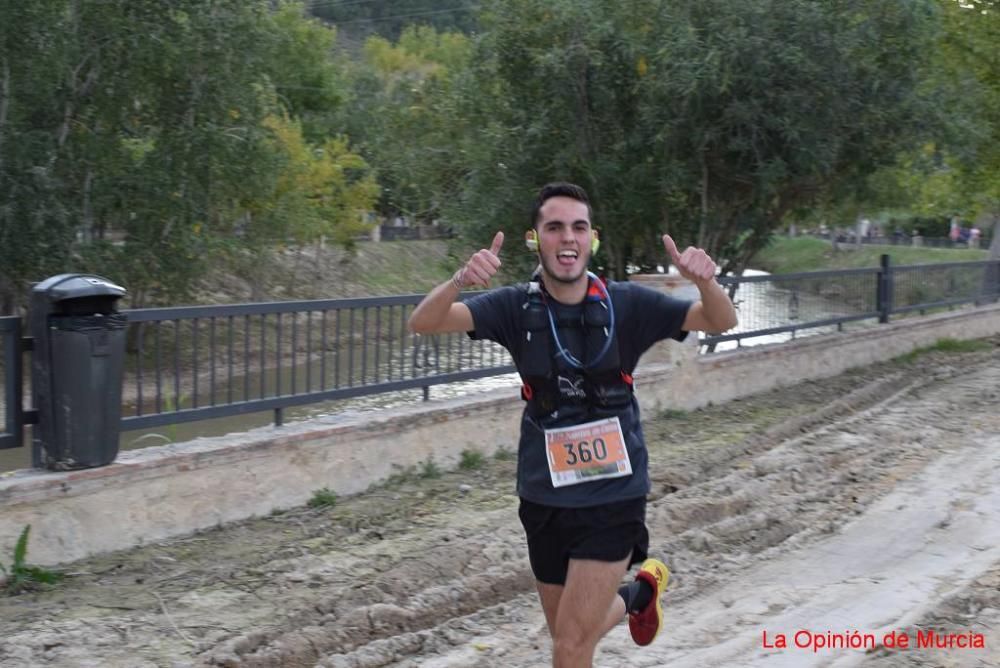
(693, 264)
(481, 267)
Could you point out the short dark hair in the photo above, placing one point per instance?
(558, 189)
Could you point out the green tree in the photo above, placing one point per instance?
(193, 144)
(134, 137)
(320, 191)
(708, 119)
(778, 105)
(971, 61)
(956, 168)
(406, 117)
(556, 94)
(301, 66)
(38, 97)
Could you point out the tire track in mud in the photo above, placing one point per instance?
(783, 494)
(975, 607)
(417, 575)
(394, 629)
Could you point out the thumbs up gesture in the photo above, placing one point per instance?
(481, 267)
(693, 264)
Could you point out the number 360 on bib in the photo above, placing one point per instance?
(586, 452)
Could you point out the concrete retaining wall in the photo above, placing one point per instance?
(159, 492)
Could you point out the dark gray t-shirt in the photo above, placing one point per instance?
(643, 316)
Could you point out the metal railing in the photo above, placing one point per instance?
(933, 286)
(194, 363)
(783, 306)
(202, 362)
(789, 303)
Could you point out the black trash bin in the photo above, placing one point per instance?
(77, 370)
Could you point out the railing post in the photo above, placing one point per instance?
(883, 296)
(12, 347)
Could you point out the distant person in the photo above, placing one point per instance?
(863, 229)
(582, 473)
(954, 230)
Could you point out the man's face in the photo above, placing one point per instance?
(564, 235)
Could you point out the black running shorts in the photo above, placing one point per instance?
(607, 532)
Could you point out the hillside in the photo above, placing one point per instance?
(372, 269)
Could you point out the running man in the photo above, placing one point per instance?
(582, 473)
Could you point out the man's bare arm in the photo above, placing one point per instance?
(438, 312)
(715, 312)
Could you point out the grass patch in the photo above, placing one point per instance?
(21, 576)
(504, 455)
(471, 460)
(429, 469)
(947, 346)
(323, 498)
(672, 414)
(786, 255)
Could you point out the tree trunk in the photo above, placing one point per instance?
(4, 104)
(620, 273)
(88, 209)
(704, 202)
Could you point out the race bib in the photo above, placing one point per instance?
(586, 452)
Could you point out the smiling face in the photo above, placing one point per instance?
(564, 236)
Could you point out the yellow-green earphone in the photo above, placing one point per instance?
(531, 241)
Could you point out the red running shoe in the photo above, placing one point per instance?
(645, 625)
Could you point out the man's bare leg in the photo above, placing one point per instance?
(586, 608)
(550, 594)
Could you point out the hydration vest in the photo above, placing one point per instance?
(549, 381)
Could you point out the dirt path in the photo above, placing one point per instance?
(867, 502)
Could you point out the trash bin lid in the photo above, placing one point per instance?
(74, 286)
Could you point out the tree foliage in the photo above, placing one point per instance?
(149, 141)
(970, 62)
(956, 168)
(135, 138)
(707, 119)
(319, 192)
(406, 115)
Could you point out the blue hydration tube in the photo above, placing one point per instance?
(567, 355)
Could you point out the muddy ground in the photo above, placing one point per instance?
(869, 502)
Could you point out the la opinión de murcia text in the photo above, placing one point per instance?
(815, 641)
